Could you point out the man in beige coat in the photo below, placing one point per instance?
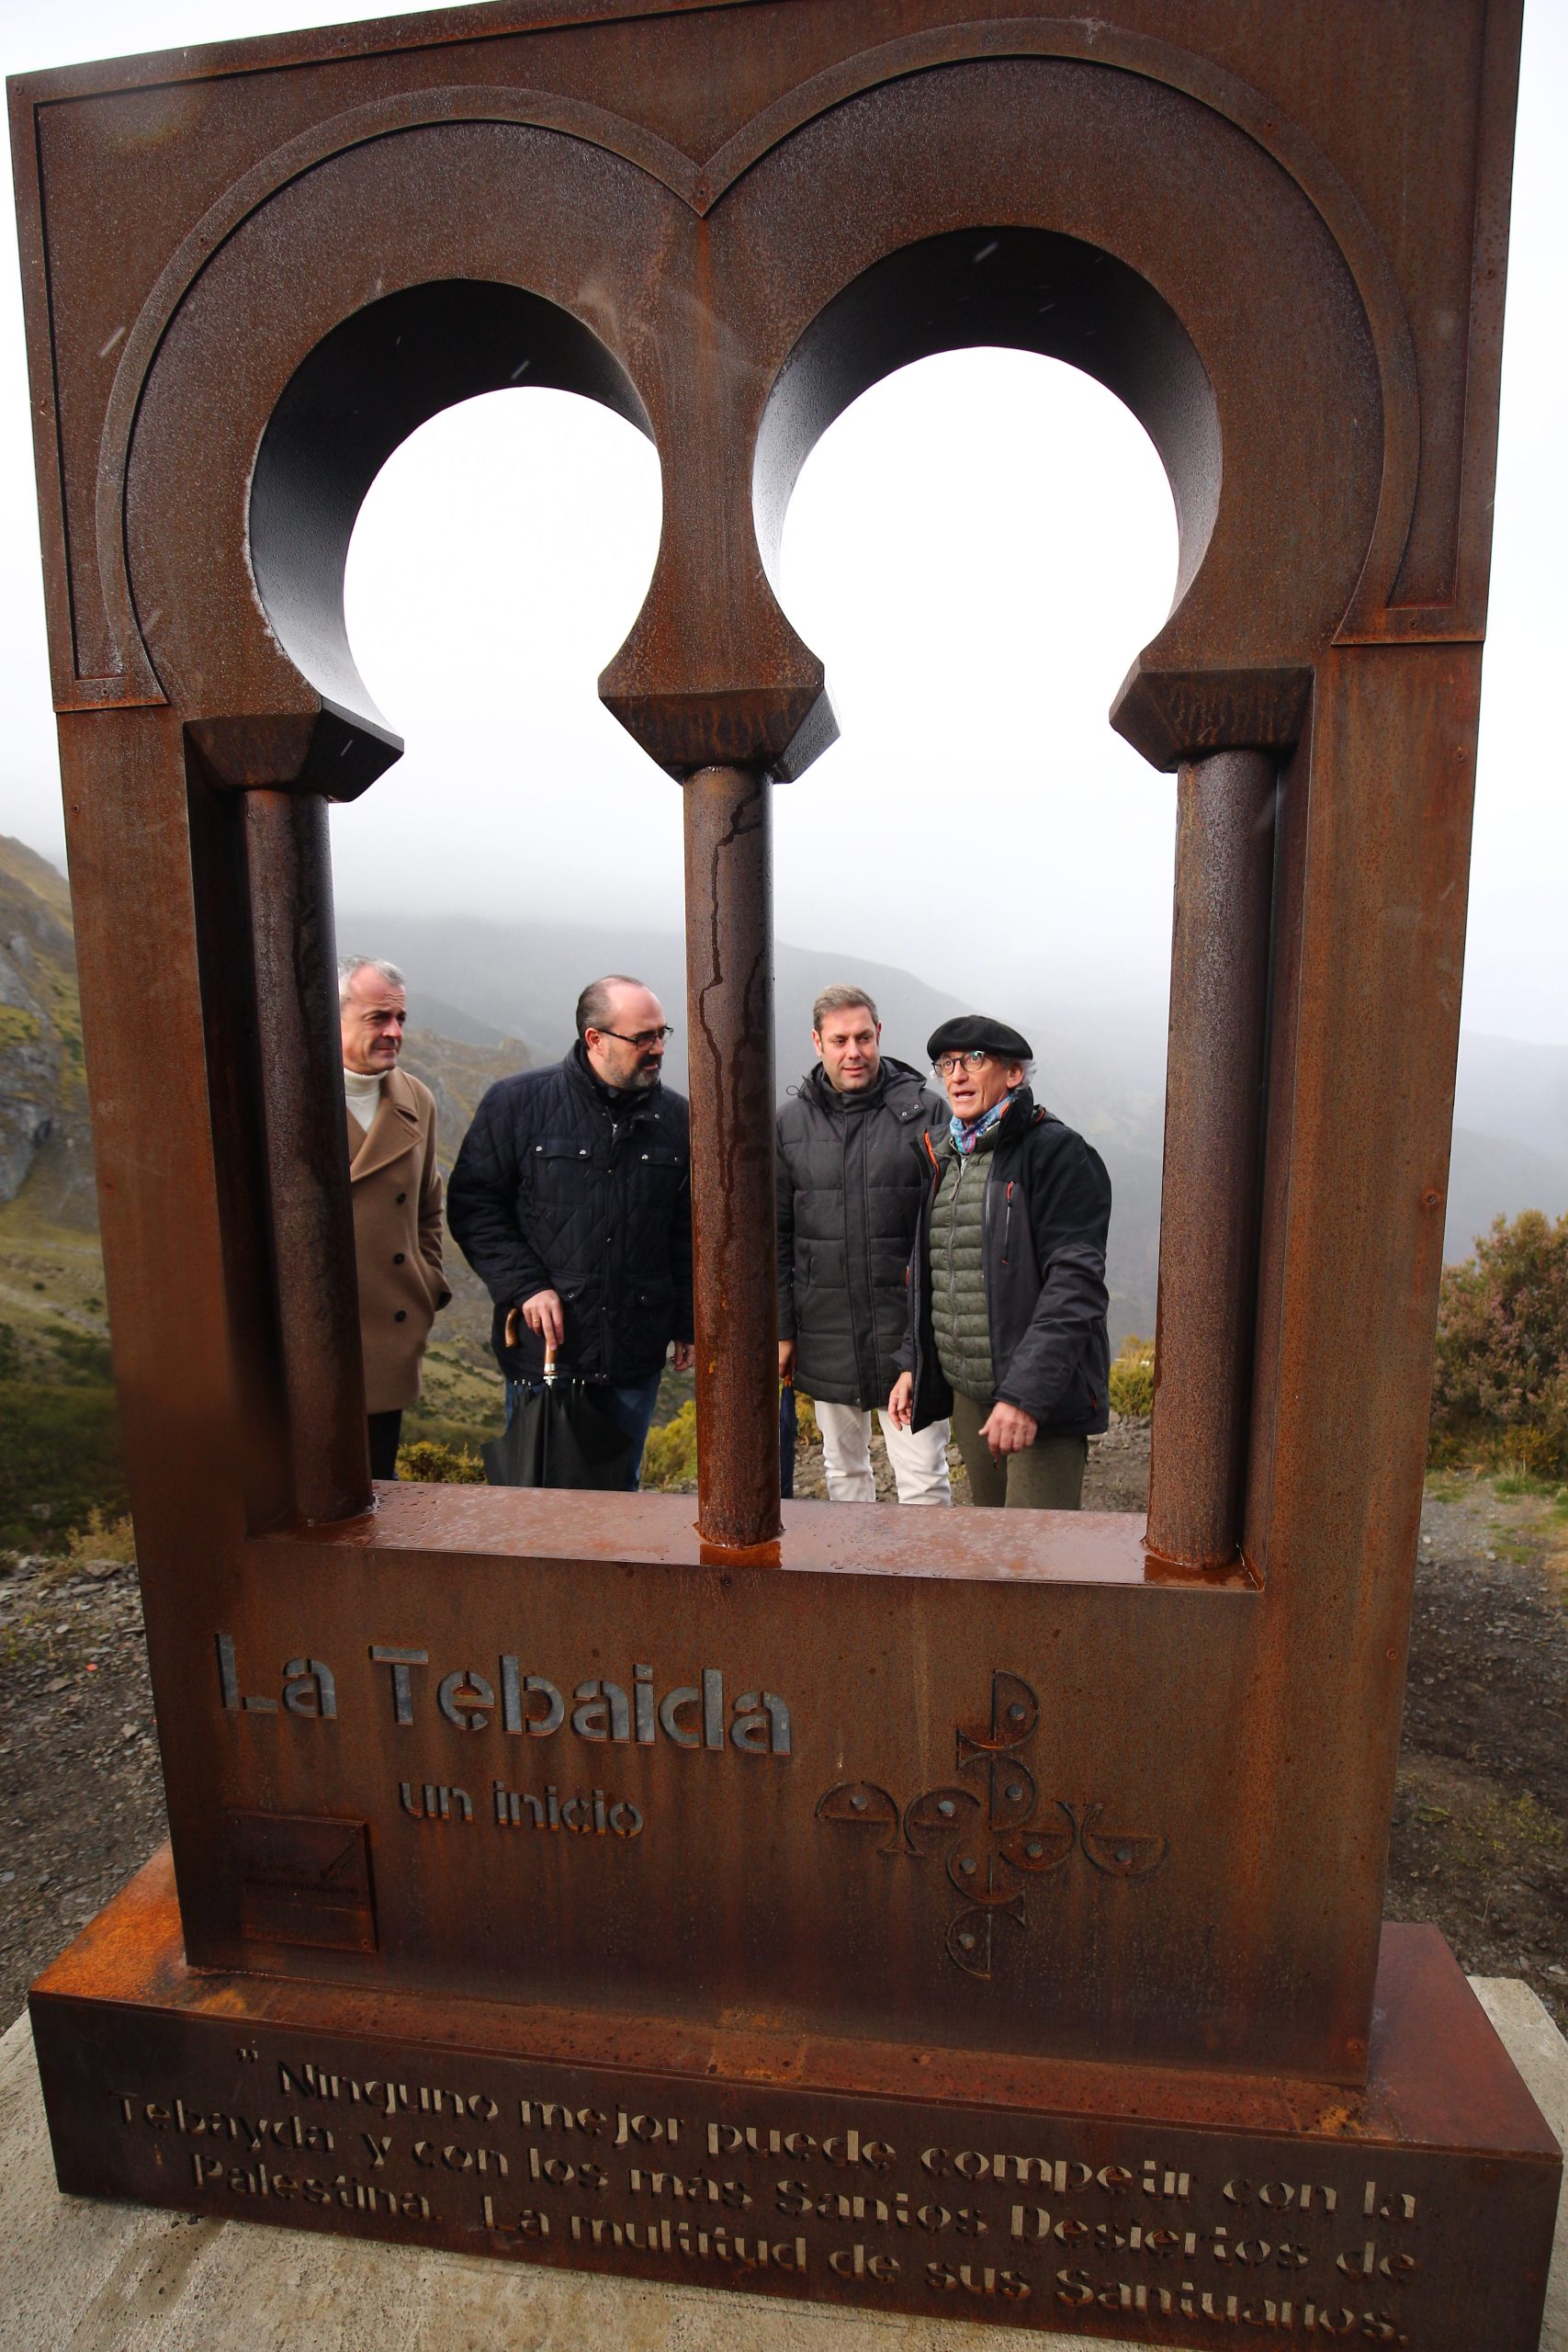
(397, 1198)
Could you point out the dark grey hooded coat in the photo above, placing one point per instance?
(850, 1179)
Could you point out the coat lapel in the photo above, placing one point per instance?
(393, 1130)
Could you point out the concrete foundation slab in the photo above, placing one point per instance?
(81, 2275)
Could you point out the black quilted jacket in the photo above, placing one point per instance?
(561, 1187)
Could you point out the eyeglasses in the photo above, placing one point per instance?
(946, 1065)
(644, 1037)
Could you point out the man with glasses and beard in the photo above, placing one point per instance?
(1007, 1280)
(572, 1200)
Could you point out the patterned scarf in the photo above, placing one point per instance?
(965, 1138)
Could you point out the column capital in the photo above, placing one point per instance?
(323, 751)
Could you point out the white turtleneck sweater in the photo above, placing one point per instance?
(363, 1095)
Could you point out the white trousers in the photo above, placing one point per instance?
(920, 1464)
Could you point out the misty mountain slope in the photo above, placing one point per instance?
(523, 979)
(432, 1016)
(1506, 1087)
(526, 980)
(1493, 1176)
(478, 989)
(457, 1072)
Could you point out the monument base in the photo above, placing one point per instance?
(1162, 2207)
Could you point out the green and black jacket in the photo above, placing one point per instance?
(1047, 1212)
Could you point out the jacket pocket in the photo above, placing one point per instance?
(1080, 1403)
(554, 1168)
(658, 1169)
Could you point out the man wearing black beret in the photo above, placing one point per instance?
(1007, 1280)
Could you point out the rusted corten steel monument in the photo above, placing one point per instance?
(915, 1909)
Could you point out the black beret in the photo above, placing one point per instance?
(977, 1029)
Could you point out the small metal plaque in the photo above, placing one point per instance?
(304, 1880)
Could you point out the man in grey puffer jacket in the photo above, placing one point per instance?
(850, 1179)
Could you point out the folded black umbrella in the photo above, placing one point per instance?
(786, 1441)
(559, 1435)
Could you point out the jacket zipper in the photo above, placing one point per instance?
(919, 1257)
(870, 1272)
(952, 1244)
(617, 1128)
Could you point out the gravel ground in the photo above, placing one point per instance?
(1480, 1842)
(1481, 1819)
(81, 1797)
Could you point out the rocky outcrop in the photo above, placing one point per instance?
(44, 1137)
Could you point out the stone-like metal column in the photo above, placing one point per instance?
(1213, 1129)
(730, 996)
(294, 948)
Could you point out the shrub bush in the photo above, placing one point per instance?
(430, 1463)
(1500, 1387)
(82, 1359)
(670, 1460)
(1133, 1378)
(101, 1538)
